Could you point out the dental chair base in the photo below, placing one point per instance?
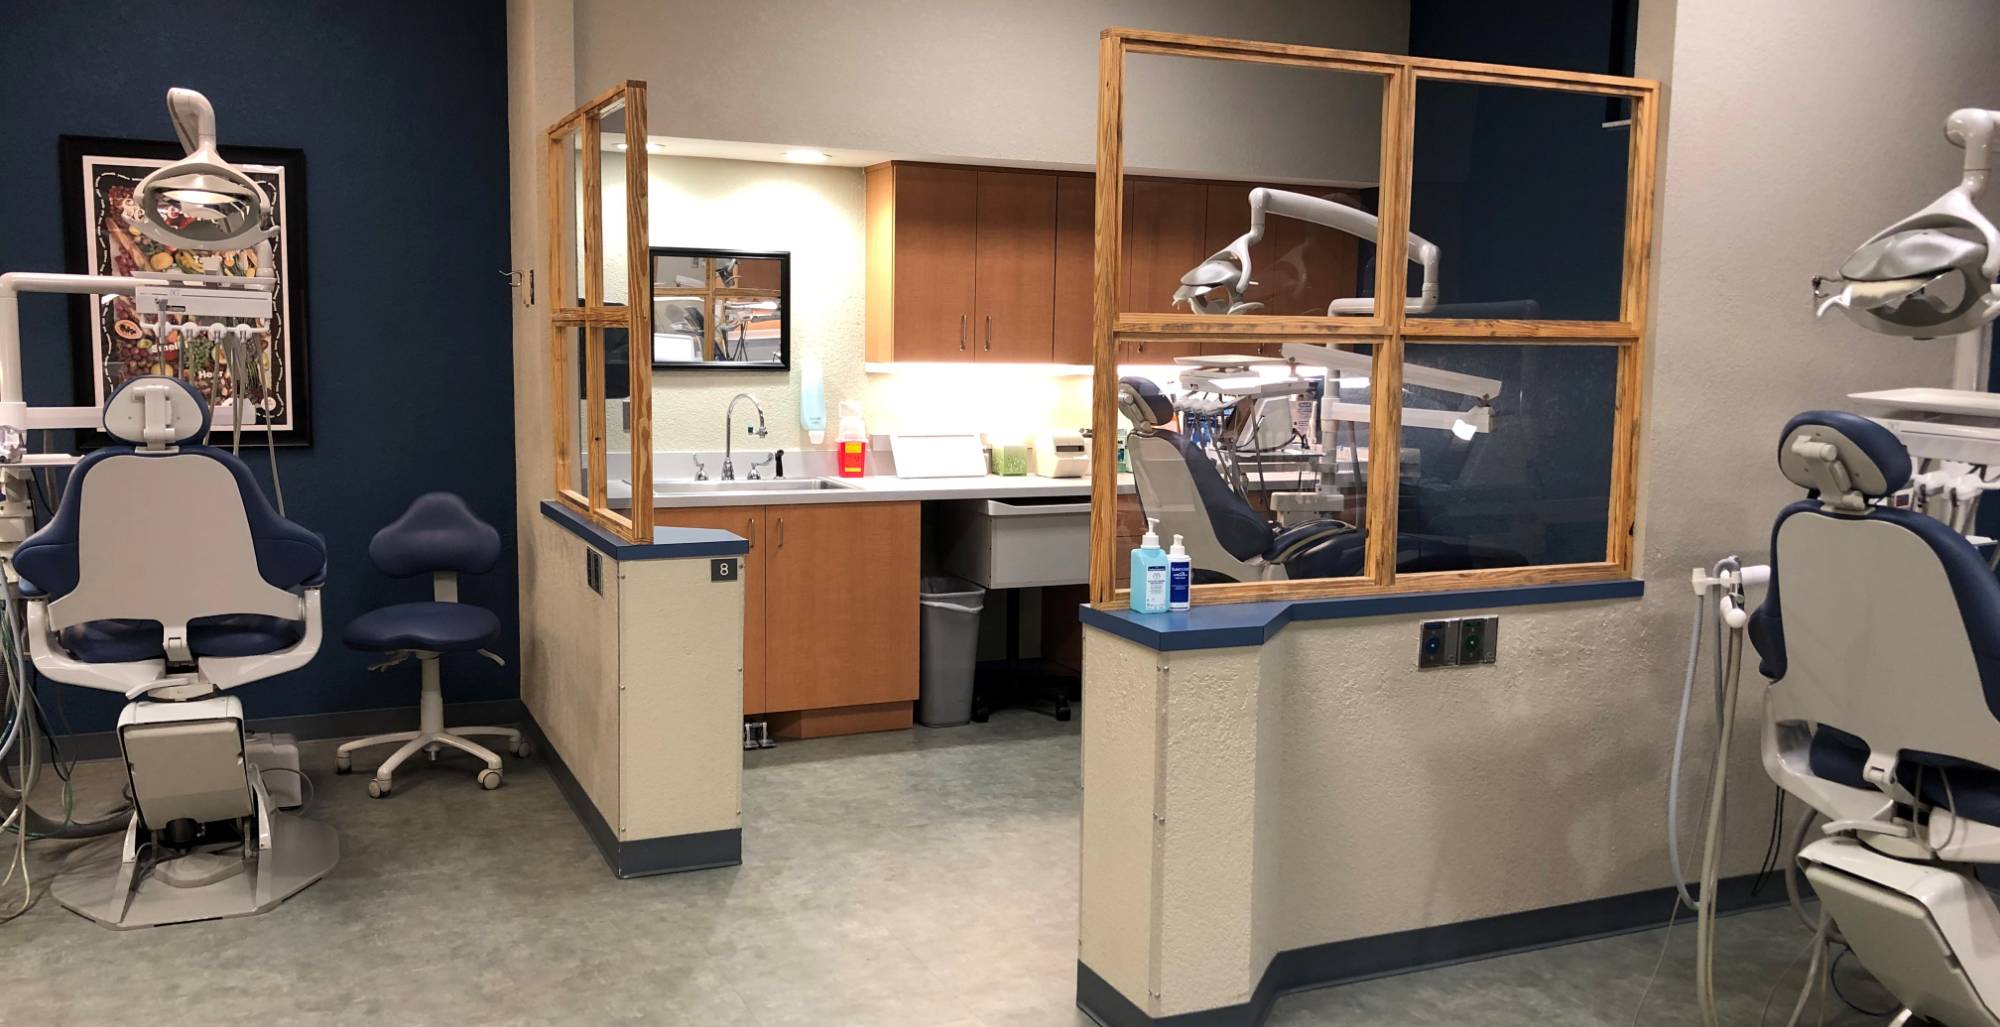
(430, 737)
(196, 775)
(1904, 920)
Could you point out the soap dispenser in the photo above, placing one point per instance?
(1180, 576)
(1149, 572)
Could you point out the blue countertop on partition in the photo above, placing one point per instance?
(668, 543)
(1226, 625)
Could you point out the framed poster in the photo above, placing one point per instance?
(112, 344)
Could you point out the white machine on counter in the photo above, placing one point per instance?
(1062, 454)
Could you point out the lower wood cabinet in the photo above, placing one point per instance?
(830, 612)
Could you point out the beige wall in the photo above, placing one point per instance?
(996, 81)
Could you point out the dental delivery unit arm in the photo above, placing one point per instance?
(1228, 270)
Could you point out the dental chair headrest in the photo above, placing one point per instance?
(1848, 458)
(155, 412)
(1143, 403)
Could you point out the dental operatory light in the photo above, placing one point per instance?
(1217, 284)
(201, 201)
(1932, 273)
(802, 156)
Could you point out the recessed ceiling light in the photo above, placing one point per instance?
(806, 157)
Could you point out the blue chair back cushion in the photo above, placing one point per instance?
(287, 555)
(437, 533)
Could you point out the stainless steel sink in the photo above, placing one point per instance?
(689, 487)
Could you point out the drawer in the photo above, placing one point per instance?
(1002, 543)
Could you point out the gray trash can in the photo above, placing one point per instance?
(950, 650)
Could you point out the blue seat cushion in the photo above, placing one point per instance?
(438, 627)
(127, 641)
(1968, 789)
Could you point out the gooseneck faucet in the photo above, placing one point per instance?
(729, 432)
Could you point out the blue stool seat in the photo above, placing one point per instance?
(127, 641)
(437, 627)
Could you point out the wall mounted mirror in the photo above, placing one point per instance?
(724, 309)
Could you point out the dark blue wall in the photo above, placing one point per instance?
(401, 111)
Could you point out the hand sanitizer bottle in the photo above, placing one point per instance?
(1180, 575)
(1149, 572)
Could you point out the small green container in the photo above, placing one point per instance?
(1009, 460)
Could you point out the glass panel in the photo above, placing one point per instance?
(576, 430)
(1202, 138)
(568, 286)
(611, 133)
(617, 405)
(1256, 447)
(1523, 192)
(1507, 453)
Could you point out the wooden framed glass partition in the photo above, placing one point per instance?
(1388, 333)
(600, 337)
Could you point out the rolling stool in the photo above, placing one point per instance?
(438, 536)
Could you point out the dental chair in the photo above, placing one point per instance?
(166, 578)
(1880, 632)
(1227, 539)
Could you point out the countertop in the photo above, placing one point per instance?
(882, 489)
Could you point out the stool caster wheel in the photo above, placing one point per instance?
(377, 790)
(343, 765)
(489, 779)
(1062, 712)
(523, 748)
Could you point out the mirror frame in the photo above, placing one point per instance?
(784, 259)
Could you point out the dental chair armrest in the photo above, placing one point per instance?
(1299, 538)
(55, 663)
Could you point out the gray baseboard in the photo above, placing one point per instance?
(99, 745)
(644, 857)
(1384, 955)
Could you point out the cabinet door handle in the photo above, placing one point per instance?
(781, 533)
(961, 333)
(752, 538)
(989, 333)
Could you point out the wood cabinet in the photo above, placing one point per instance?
(961, 264)
(1015, 256)
(968, 264)
(830, 612)
(922, 261)
(1076, 254)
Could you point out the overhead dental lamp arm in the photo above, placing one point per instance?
(1229, 268)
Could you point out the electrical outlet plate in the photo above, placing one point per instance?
(1459, 642)
(1437, 644)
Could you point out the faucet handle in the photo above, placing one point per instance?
(700, 469)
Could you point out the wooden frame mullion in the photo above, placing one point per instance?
(639, 310)
(1388, 329)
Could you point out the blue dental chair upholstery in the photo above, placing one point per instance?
(1880, 632)
(439, 536)
(287, 556)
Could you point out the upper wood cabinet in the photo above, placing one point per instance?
(1076, 254)
(922, 261)
(961, 264)
(1166, 225)
(978, 264)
